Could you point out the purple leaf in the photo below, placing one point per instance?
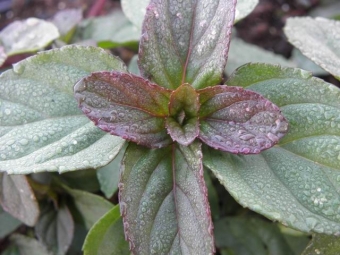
(239, 121)
(125, 105)
(163, 201)
(182, 124)
(186, 41)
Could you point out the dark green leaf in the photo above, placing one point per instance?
(318, 39)
(109, 175)
(125, 105)
(11, 250)
(250, 236)
(239, 121)
(186, 42)
(90, 206)
(212, 195)
(41, 126)
(7, 223)
(83, 180)
(133, 65)
(163, 201)
(29, 246)
(107, 236)
(323, 245)
(55, 229)
(297, 182)
(183, 124)
(305, 63)
(17, 198)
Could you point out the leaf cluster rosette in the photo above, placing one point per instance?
(173, 104)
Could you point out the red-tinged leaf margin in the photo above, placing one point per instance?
(183, 124)
(125, 105)
(163, 201)
(241, 121)
(186, 42)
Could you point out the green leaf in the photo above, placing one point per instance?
(125, 105)
(239, 121)
(90, 206)
(41, 126)
(110, 31)
(107, 236)
(244, 8)
(251, 236)
(17, 198)
(135, 11)
(109, 175)
(133, 65)
(163, 201)
(7, 223)
(66, 22)
(297, 182)
(305, 63)
(27, 36)
(55, 229)
(186, 42)
(241, 53)
(28, 245)
(11, 250)
(183, 124)
(83, 180)
(323, 245)
(317, 39)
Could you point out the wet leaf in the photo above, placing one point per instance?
(28, 246)
(107, 236)
(318, 39)
(90, 206)
(109, 175)
(244, 8)
(296, 182)
(125, 105)
(27, 36)
(186, 42)
(323, 245)
(241, 53)
(239, 121)
(55, 229)
(251, 236)
(66, 22)
(41, 126)
(183, 124)
(135, 11)
(163, 201)
(17, 198)
(7, 223)
(305, 63)
(110, 31)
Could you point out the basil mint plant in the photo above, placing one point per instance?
(167, 113)
(269, 134)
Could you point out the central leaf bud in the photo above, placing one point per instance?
(182, 123)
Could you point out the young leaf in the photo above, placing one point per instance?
(28, 245)
(28, 35)
(163, 201)
(186, 42)
(55, 229)
(296, 182)
(239, 121)
(323, 244)
(125, 105)
(41, 126)
(183, 124)
(17, 198)
(7, 223)
(318, 39)
(107, 236)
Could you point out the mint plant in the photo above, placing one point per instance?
(170, 125)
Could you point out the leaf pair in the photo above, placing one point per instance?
(228, 118)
